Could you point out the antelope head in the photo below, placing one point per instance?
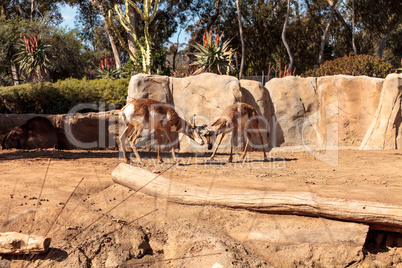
(209, 135)
(195, 132)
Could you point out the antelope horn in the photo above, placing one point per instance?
(193, 120)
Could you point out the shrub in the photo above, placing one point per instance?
(62, 96)
(353, 65)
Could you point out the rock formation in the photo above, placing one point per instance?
(385, 131)
(37, 132)
(331, 112)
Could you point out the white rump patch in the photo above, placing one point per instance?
(128, 110)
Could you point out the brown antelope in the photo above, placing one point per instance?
(235, 117)
(150, 114)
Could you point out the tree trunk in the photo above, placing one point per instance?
(214, 16)
(383, 43)
(324, 36)
(377, 215)
(17, 3)
(339, 16)
(241, 39)
(353, 28)
(134, 22)
(175, 52)
(109, 33)
(32, 11)
(2, 8)
(15, 73)
(285, 25)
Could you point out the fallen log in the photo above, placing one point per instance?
(378, 216)
(18, 243)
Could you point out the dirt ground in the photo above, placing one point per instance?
(96, 223)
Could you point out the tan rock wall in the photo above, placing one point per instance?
(340, 111)
(206, 96)
(85, 131)
(153, 87)
(385, 130)
(350, 102)
(258, 96)
(295, 105)
(326, 111)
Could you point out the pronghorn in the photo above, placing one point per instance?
(235, 117)
(150, 114)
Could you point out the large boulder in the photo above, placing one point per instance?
(349, 104)
(294, 101)
(206, 96)
(385, 131)
(155, 87)
(256, 95)
(90, 130)
(331, 111)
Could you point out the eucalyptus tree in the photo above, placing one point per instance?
(325, 32)
(243, 49)
(379, 19)
(285, 25)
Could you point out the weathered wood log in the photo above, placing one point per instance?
(18, 243)
(377, 215)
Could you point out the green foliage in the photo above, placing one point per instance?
(62, 96)
(353, 65)
(9, 34)
(69, 57)
(111, 73)
(213, 55)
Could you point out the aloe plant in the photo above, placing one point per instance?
(213, 55)
(107, 70)
(32, 55)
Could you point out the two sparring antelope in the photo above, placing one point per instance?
(142, 114)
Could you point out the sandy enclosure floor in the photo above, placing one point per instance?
(361, 175)
(373, 176)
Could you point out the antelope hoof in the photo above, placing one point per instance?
(126, 160)
(211, 158)
(160, 161)
(230, 160)
(266, 159)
